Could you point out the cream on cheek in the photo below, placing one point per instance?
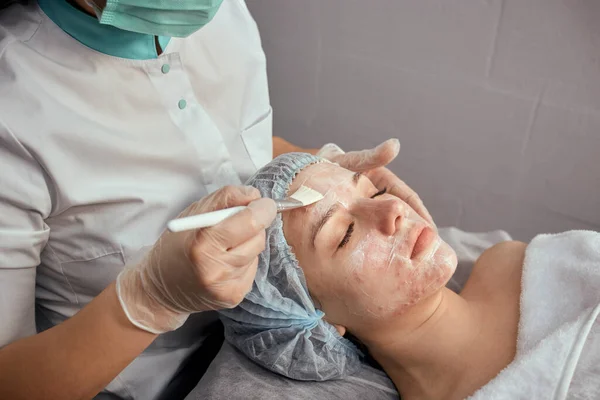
(383, 279)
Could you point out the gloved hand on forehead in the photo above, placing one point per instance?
(200, 270)
(372, 162)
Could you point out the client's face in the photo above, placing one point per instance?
(366, 255)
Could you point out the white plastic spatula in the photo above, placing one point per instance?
(302, 197)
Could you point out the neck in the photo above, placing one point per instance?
(85, 7)
(425, 351)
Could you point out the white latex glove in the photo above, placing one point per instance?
(200, 270)
(372, 162)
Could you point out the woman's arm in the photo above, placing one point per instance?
(75, 359)
(281, 146)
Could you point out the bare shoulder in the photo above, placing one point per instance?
(494, 289)
(498, 269)
(506, 252)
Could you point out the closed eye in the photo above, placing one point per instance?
(348, 234)
(382, 191)
(346, 238)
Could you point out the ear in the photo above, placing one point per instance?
(341, 329)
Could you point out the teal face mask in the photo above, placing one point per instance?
(170, 18)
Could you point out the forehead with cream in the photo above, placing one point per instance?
(338, 187)
(323, 177)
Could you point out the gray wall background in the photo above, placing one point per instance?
(496, 102)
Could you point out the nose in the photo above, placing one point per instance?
(383, 214)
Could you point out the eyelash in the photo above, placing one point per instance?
(382, 191)
(346, 238)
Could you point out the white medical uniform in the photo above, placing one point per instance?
(98, 152)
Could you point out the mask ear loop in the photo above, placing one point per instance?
(97, 10)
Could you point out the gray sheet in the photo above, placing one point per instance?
(233, 376)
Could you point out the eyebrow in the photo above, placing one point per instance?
(319, 225)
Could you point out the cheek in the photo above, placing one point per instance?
(382, 282)
(364, 282)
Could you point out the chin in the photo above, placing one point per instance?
(440, 269)
(446, 262)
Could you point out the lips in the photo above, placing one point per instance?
(424, 239)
